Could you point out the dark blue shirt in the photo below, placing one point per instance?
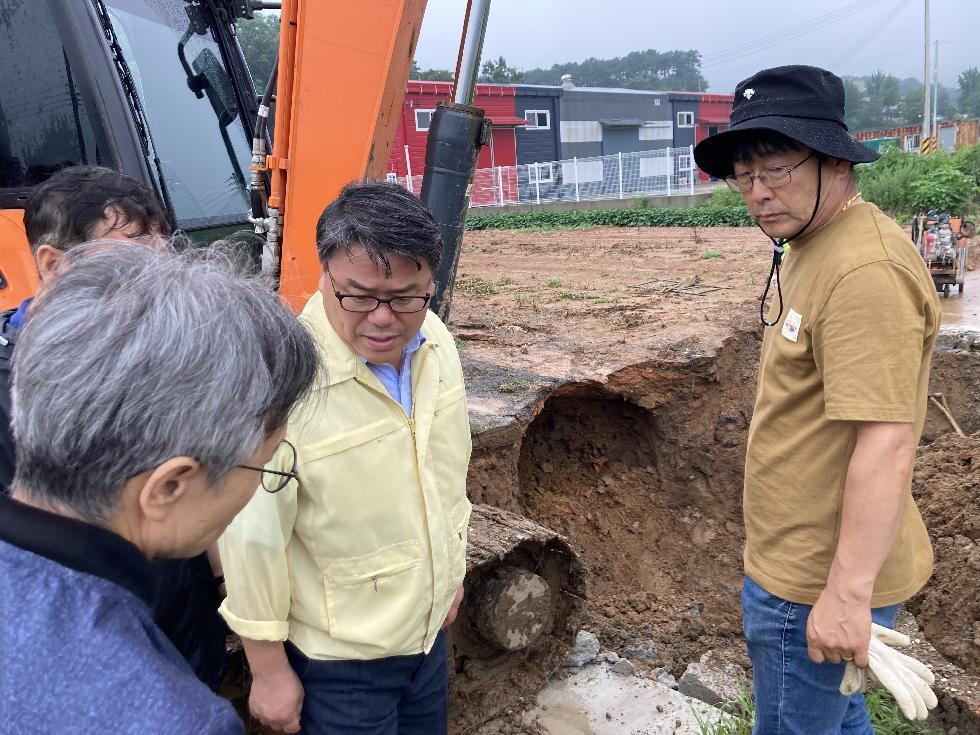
(19, 318)
(79, 652)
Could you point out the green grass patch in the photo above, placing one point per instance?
(738, 716)
(887, 719)
(573, 296)
(711, 255)
(704, 216)
(481, 286)
(552, 282)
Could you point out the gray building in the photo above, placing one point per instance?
(602, 136)
(538, 140)
(601, 121)
(684, 110)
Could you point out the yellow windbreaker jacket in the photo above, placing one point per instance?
(361, 557)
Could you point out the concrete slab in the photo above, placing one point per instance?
(597, 701)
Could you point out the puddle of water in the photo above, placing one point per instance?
(962, 310)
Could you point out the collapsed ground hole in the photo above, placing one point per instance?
(656, 516)
(642, 474)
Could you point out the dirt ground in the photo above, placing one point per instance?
(611, 378)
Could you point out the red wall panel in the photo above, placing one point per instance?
(496, 99)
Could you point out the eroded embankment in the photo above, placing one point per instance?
(642, 473)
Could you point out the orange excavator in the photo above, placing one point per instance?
(160, 90)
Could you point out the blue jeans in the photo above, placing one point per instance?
(794, 695)
(398, 695)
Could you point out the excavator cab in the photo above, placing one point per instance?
(155, 88)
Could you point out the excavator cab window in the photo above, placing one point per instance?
(48, 118)
(171, 54)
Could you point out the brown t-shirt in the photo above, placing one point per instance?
(853, 344)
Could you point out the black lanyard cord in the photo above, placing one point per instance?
(778, 248)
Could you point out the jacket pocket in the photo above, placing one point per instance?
(374, 599)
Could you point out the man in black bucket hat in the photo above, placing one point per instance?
(833, 537)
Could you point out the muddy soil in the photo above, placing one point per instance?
(947, 489)
(612, 375)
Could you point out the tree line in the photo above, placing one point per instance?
(880, 100)
(650, 69)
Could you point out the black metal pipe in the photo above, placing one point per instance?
(456, 134)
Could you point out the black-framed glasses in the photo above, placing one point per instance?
(273, 480)
(365, 304)
(772, 178)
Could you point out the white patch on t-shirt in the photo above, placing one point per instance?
(791, 326)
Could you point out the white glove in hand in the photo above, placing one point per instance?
(906, 678)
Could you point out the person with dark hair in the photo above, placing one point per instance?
(341, 590)
(834, 541)
(75, 205)
(118, 465)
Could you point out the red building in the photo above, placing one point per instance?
(713, 114)
(421, 98)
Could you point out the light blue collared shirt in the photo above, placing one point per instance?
(398, 383)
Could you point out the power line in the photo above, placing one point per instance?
(806, 25)
(901, 52)
(788, 34)
(876, 28)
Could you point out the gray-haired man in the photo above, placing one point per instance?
(149, 390)
(75, 205)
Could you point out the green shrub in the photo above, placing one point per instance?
(888, 182)
(967, 160)
(709, 254)
(577, 219)
(725, 197)
(904, 183)
(946, 189)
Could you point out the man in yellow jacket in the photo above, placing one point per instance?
(342, 582)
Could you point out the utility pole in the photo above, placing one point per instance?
(927, 106)
(935, 97)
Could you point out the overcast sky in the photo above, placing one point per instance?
(849, 37)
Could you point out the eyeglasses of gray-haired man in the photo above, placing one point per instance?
(272, 480)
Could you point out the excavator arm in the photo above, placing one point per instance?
(342, 73)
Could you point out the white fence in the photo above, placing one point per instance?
(644, 173)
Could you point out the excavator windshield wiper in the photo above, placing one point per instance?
(136, 106)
